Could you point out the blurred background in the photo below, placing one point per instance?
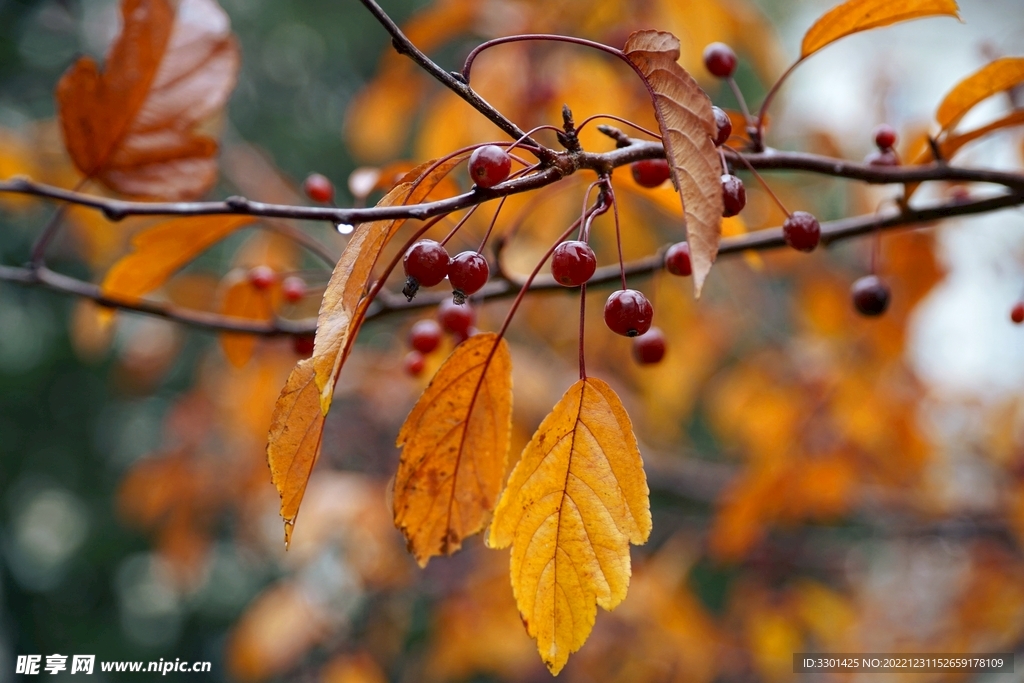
(820, 481)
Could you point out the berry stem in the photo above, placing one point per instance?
(51, 229)
(490, 227)
(471, 57)
(583, 316)
(533, 275)
(629, 123)
(758, 138)
(462, 221)
(738, 94)
(618, 232)
(760, 179)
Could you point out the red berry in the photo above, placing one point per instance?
(293, 288)
(650, 172)
(463, 336)
(456, 318)
(885, 137)
(724, 124)
(262, 277)
(1017, 312)
(802, 231)
(427, 262)
(649, 348)
(573, 263)
(414, 363)
(885, 157)
(319, 188)
(628, 312)
(720, 60)
(468, 272)
(303, 345)
(870, 295)
(677, 259)
(425, 336)
(489, 165)
(734, 195)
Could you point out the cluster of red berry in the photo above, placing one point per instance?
(425, 335)
(885, 140)
(801, 230)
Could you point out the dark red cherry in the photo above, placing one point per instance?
(293, 288)
(573, 263)
(1017, 312)
(489, 165)
(468, 272)
(734, 195)
(802, 231)
(677, 259)
(319, 188)
(262, 277)
(870, 295)
(885, 137)
(425, 336)
(303, 345)
(628, 312)
(650, 172)
(414, 363)
(649, 348)
(724, 124)
(426, 262)
(456, 318)
(885, 157)
(720, 60)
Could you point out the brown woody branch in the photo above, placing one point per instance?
(503, 287)
(564, 164)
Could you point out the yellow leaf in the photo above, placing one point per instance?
(854, 16)
(157, 253)
(243, 300)
(997, 77)
(455, 445)
(687, 128)
(296, 429)
(575, 501)
(341, 312)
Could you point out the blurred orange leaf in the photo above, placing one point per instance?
(455, 446)
(854, 16)
(687, 128)
(573, 504)
(296, 429)
(997, 77)
(340, 312)
(157, 253)
(244, 300)
(133, 125)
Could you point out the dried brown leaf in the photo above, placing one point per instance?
(133, 126)
(687, 128)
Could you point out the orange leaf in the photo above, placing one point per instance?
(296, 429)
(133, 125)
(455, 445)
(340, 311)
(854, 16)
(160, 251)
(243, 300)
(687, 128)
(575, 501)
(997, 77)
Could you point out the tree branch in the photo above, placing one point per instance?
(508, 285)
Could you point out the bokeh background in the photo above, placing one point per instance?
(819, 481)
